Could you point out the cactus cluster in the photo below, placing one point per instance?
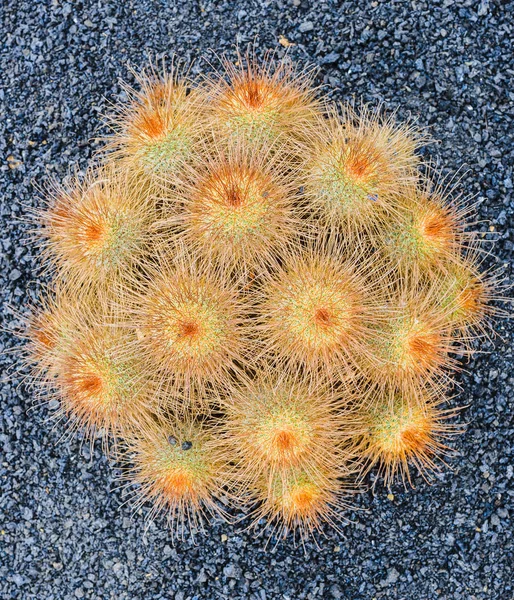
(257, 297)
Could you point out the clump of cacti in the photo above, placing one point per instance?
(257, 298)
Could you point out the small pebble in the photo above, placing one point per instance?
(306, 26)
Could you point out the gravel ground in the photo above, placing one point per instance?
(64, 530)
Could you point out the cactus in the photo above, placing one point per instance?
(258, 297)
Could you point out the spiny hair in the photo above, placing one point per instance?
(358, 164)
(97, 228)
(175, 465)
(98, 389)
(319, 309)
(261, 101)
(236, 206)
(276, 422)
(73, 350)
(49, 329)
(405, 429)
(156, 132)
(191, 325)
(472, 297)
(300, 501)
(429, 231)
(414, 343)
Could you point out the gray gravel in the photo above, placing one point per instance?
(64, 530)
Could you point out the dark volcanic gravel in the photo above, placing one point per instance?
(64, 530)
